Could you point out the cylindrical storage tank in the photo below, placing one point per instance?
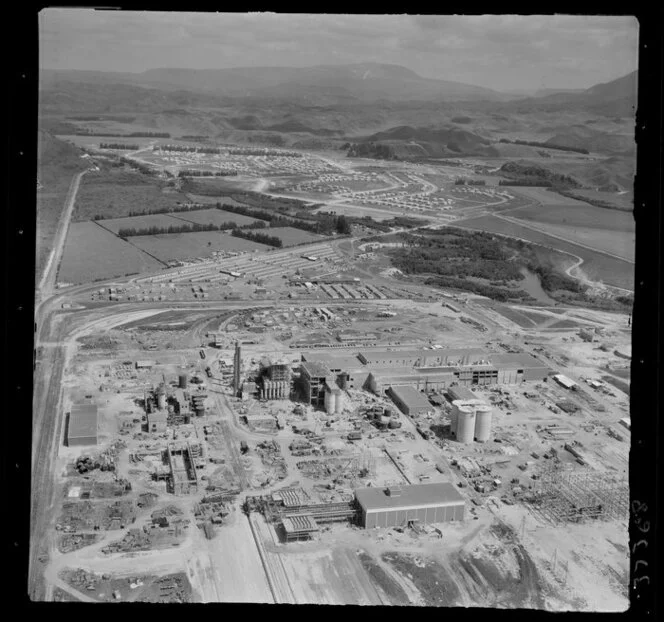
(482, 423)
(161, 400)
(385, 421)
(330, 402)
(454, 417)
(394, 423)
(182, 381)
(465, 430)
(339, 403)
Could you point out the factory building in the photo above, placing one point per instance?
(401, 505)
(157, 422)
(516, 368)
(313, 380)
(82, 428)
(422, 357)
(410, 401)
(184, 479)
(461, 393)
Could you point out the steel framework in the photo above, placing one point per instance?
(567, 495)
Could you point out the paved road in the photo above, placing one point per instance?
(46, 285)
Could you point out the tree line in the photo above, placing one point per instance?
(194, 227)
(118, 146)
(187, 148)
(84, 132)
(194, 173)
(324, 224)
(262, 238)
(535, 143)
(463, 181)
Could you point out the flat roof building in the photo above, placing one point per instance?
(410, 401)
(461, 393)
(82, 428)
(397, 506)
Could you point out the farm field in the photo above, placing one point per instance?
(544, 196)
(596, 265)
(92, 253)
(586, 216)
(115, 193)
(514, 315)
(183, 246)
(215, 216)
(615, 242)
(140, 222)
(290, 236)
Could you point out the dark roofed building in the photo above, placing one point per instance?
(410, 401)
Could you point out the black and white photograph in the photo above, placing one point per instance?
(334, 309)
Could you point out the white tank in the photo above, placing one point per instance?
(330, 402)
(465, 428)
(339, 403)
(161, 400)
(483, 415)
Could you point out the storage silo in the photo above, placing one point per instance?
(465, 428)
(182, 381)
(339, 403)
(161, 397)
(330, 402)
(483, 415)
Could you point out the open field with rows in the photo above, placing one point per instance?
(215, 217)
(92, 253)
(596, 265)
(183, 246)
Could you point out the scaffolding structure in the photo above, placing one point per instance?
(567, 495)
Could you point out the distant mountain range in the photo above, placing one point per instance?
(322, 84)
(331, 84)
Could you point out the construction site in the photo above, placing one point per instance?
(254, 447)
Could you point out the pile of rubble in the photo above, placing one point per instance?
(74, 542)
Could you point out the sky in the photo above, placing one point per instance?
(501, 52)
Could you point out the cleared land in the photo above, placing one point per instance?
(181, 246)
(92, 253)
(215, 217)
(291, 236)
(115, 192)
(596, 266)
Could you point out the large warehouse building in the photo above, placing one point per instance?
(82, 428)
(410, 401)
(398, 506)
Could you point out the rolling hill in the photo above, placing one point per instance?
(333, 84)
